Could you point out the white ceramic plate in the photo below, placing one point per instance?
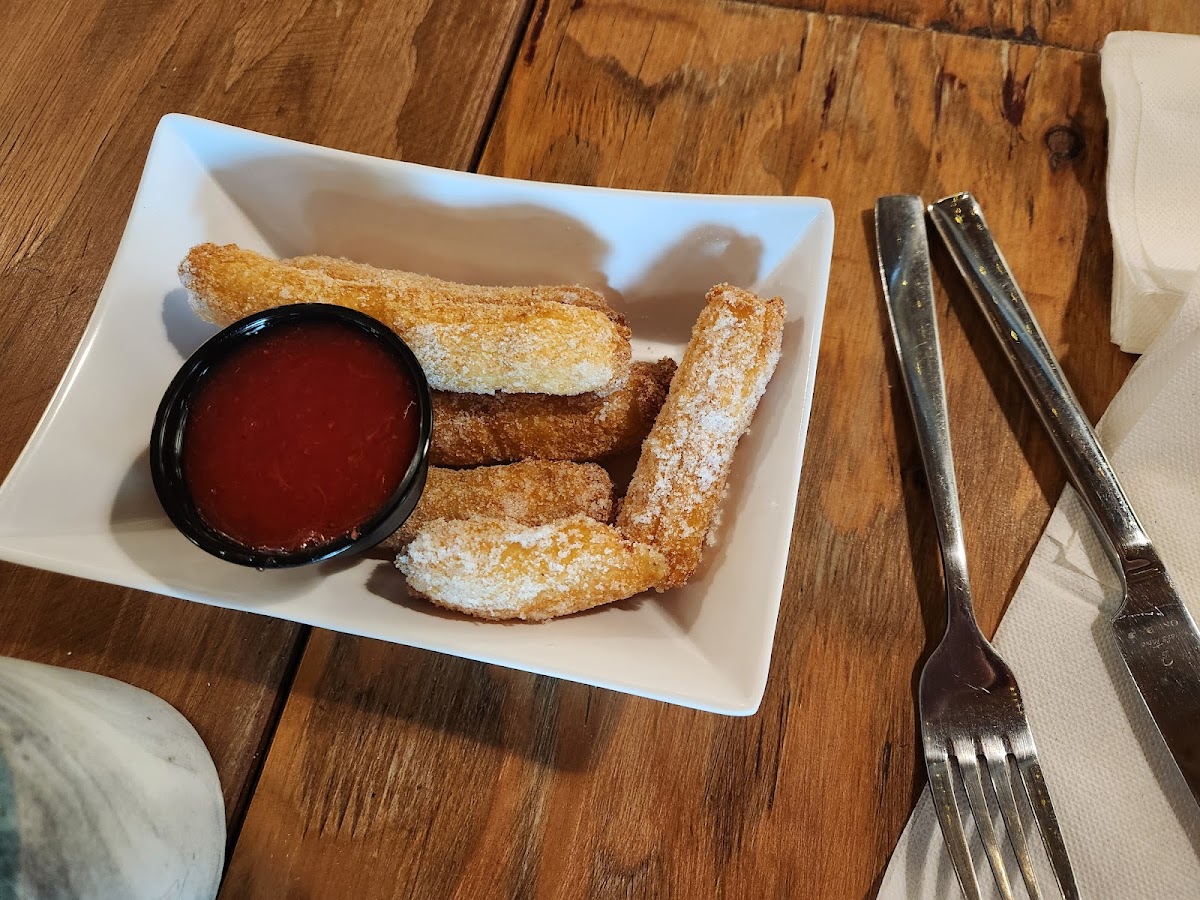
(79, 500)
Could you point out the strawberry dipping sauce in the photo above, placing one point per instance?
(299, 436)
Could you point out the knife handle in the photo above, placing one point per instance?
(960, 222)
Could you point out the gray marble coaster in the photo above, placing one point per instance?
(105, 792)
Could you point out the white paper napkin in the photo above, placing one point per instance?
(1131, 826)
(1152, 91)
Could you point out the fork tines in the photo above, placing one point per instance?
(1009, 764)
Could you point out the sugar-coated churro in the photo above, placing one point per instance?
(533, 492)
(473, 429)
(500, 569)
(417, 287)
(681, 474)
(542, 340)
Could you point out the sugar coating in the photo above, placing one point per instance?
(532, 492)
(550, 352)
(474, 429)
(681, 475)
(471, 338)
(499, 569)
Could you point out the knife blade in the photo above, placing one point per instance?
(1155, 634)
(1160, 644)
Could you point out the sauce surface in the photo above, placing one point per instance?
(299, 436)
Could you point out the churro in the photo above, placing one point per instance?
(473, 429)
(500, 569)
(416, 287)
(681, 475)
(531, 493)
(471, 339)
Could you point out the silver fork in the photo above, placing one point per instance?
(973, 722)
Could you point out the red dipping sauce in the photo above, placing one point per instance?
(299, 436)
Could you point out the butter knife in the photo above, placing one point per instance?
(1154, 631)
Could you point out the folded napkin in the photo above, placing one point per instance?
(1131, 826)
(1152, 90)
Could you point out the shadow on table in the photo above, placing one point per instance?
(379, 696)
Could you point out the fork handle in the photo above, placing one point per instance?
(960, 222)
(903, 249)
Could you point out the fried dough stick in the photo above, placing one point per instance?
(542, 340)
(531, 493)
(681, 474)
(416, 287)
(500, 569)
(473, 429)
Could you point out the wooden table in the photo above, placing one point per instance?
(360, 769)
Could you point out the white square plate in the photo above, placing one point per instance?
(79, 500)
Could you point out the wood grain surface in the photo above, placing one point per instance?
(83, 85)
(1074, 24)
(397, 773)
(400, 773)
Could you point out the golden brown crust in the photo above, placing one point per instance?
(681, 474)
(474, 429)
(417, 287)
(552, 340)
(531, 493)
(499, 569)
